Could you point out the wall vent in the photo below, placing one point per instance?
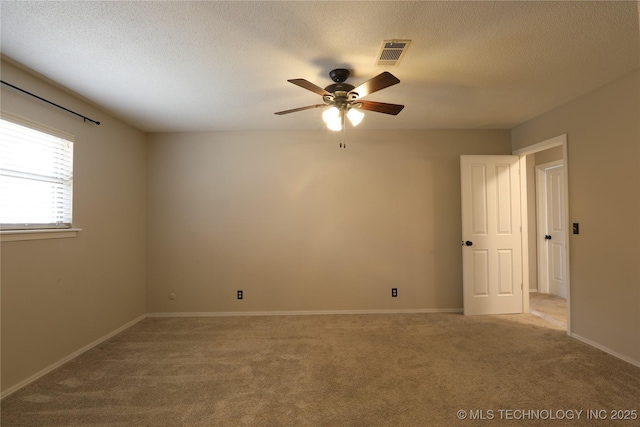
(392, 51)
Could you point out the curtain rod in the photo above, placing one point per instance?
(85, 118)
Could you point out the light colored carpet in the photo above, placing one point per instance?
(332, 370)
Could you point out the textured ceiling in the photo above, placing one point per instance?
(196, 66)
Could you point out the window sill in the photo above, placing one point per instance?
(16, 235)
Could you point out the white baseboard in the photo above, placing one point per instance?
(606, 349)
(303, 313)
(66, 359)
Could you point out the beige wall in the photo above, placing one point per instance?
(60, 295)
(300, 224)
(549, 155)
(603, 133)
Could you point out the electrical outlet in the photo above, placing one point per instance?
(394, 292)
(240, 295)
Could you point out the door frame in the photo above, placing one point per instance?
(560, 140)
(541, 222)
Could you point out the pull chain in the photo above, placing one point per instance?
(343, 144)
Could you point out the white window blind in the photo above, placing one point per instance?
(36, 178)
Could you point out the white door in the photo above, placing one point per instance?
(491, 232)
(554, 237)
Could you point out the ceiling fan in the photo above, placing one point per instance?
(345, 99)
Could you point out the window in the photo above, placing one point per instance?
(36, 177)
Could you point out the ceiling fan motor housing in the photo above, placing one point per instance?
(339, 75)
(339, 87)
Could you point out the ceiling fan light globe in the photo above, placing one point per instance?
(355, 116)
(335, 125)
(330, 115)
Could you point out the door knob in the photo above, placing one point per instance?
(468, 243)
(547, 237)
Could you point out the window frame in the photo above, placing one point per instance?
(39, 231)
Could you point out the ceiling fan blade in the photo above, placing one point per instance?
(377, 83)
(309, 86)
(308, 107)
(381, 107)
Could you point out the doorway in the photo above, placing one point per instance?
(547, 154)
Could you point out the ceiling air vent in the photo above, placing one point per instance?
(392, 51)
